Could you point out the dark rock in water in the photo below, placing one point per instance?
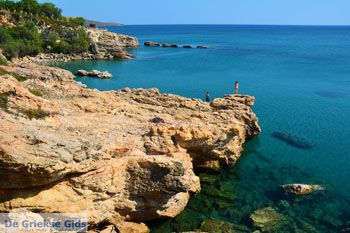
(302, 189)
(345, 228)
(266, 220)
(152, 44)
(292, 140)
(331, 94)
(174, 46)
(202, 47)
(217, 226)
(187, 46)
(166, 45)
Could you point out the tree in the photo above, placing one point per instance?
(50, 10)
(8, 5)
(29, 6)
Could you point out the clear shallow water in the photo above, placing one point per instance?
(300, 77)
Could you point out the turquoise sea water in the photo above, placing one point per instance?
(300, 77)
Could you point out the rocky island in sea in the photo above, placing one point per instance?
(122, 157)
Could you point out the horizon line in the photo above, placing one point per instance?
(230, 24)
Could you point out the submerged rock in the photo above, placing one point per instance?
(292, 140)
(217, 226)
(174, 45)
(166, 45)
(187, 46)
(266, 219)
(202, 47)
(302, 189)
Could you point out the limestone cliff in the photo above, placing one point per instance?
(120, 156)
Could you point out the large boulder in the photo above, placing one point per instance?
(95, 74)
(302, 189)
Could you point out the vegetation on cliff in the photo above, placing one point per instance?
(29, 28)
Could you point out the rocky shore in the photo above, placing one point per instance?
(124, 157)
(105, 46)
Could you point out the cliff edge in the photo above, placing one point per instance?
(124, 155)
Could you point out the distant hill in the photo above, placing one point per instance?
(101, 24)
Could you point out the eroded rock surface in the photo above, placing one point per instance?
(120, 156)
(109, 43)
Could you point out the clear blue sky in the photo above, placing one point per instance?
(304, 12)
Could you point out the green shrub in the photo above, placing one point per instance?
(80, 42)
(36, 92)
(4, 36)
(50, 10)
(4, 100)
(64, 34)
(75, 21)
(10, 50)
(19, 77)
(68, 41)
(35, 113)
(3, 60)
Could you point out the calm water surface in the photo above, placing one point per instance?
(300, 77)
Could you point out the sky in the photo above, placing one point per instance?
(281, 12)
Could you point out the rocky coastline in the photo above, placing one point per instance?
(105, 46)
(125, 156)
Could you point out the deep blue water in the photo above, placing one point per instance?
(300, 77)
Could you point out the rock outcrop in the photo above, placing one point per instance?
(109, 43)
(119, 156)
(95, 74)
(6, 20)
(152, 44)
(302, 189)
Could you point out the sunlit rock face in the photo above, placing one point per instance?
(117, 155)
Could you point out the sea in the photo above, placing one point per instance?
(300, 77)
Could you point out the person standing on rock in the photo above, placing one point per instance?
(236, 87)
(207, 97)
